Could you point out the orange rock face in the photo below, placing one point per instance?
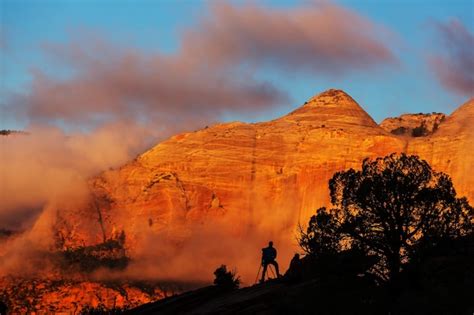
(278, 168)
(245, 170)
(451, 149)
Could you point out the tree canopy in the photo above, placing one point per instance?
(395, 208)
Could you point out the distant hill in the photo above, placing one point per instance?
(8, 132)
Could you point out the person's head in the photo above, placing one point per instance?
(270, 244)
(297, 256)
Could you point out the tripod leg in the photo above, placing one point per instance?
(273, 272)
(259, 268)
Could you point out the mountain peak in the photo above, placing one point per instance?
(333, 97)
(334, 93)
(332, 107)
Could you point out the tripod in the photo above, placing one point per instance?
(258, 272)
(268, 268)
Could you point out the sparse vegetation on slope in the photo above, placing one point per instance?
(226, 280)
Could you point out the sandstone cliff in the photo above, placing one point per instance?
(250, 170)
(276, 169)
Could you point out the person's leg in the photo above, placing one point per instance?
(275, 264)
(264, 272)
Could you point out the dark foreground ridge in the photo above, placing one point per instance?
(212, 300)
(443, 285)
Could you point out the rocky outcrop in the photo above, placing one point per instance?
(413, 125)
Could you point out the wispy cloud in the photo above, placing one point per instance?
(454, 67)
(48, 165)
(216, 70)
(126, 84)
(317, 39)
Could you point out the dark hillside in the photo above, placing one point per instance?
(443, 285)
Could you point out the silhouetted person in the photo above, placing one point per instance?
(295, 262)
(3, 308)
(294, 271)
(268, 258)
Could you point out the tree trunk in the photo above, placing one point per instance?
(394, 265)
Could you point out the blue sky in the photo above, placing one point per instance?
(155, 27)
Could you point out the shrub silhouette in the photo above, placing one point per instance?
(226, 279)
(395, 208)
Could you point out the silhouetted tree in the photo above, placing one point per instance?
(395, 208)
(322, 235)
(226, 279)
